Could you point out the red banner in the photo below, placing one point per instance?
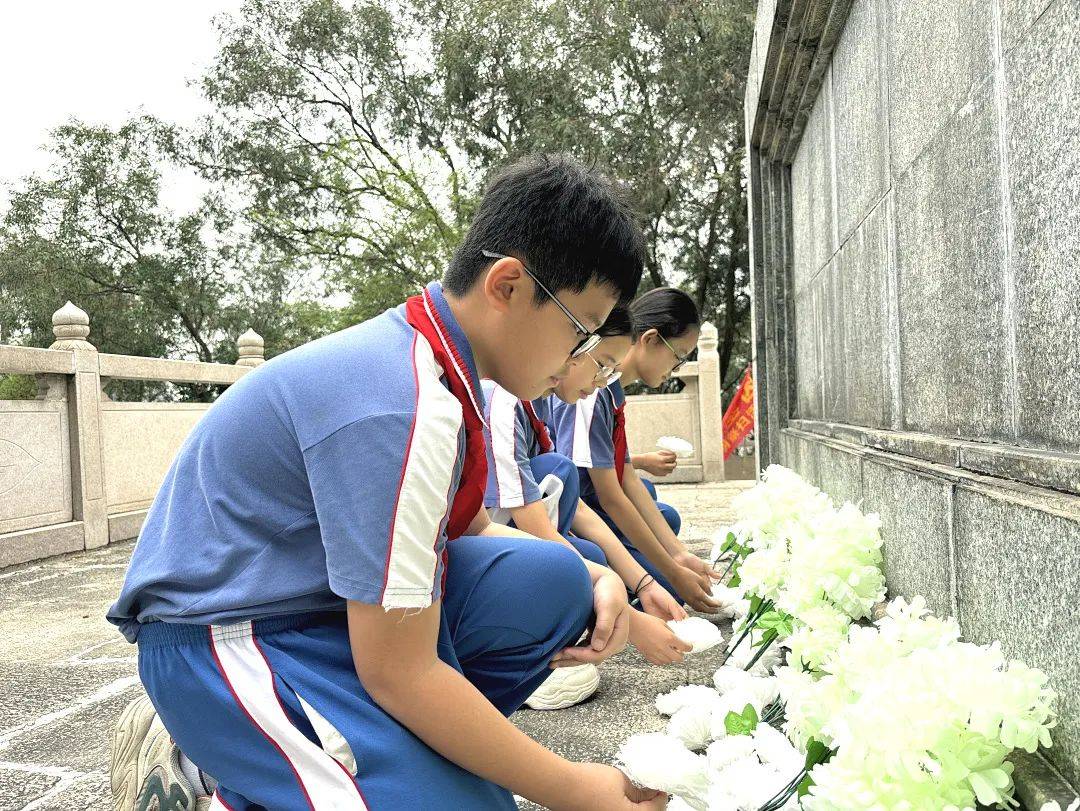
(739, 417)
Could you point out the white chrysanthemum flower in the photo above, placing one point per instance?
(677, 445)
(782, 497)
(728, 678)
(722, 752)
(749, 782)
(820, 630)
(774, 749)
(726, 594)
(809, 703)
(692, 725)
(697, 631)
(686, 695)
(729, 600)
(765, 571)
(661, 762)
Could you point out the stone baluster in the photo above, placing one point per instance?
(710, 413)
(71, 326)
(251, 348)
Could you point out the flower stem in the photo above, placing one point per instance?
(731, 563)
(757, 655)
(751, 621)
(781, 797)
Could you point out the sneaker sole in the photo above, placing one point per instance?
(162, 784)
(127, 739)
(573, 689)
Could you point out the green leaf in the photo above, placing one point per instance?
(741, 723)
(816, 752)
(729, 543)
(782, 623)
(734, 581)
(804, 786)
(766, 638)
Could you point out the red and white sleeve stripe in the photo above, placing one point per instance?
(583, 420)
(424, 487)
(503, 424)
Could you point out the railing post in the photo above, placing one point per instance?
(250, 346)
(710, 415)
(71, 326)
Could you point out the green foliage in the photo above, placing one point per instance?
(360, 135)
(347, 149)
(154, 282)
(741, 723)
(778, 622)
(17, 387)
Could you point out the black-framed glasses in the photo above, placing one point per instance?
(589, 338)
(607, 374)
(681, 358)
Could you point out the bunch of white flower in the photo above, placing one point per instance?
(915, 716)
(837, 559)
(782, 499)
(820, 630)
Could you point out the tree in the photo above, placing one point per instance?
(359, 136)
(154, 282)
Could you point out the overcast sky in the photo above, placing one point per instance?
(101, 61)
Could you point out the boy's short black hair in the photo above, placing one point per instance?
(668, 310)
(618, 323)
(569, 224)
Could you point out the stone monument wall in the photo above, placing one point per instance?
(914, 191)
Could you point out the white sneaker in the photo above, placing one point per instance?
(127, 740)
(565, 687)
(145, 771)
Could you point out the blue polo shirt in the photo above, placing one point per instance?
(511, 445)
(585, 431)
(324, 475)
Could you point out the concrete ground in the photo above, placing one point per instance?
(66, 674)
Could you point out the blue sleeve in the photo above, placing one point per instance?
(510, 479)
(382, 487)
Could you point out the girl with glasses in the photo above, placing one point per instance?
(592, 433)
(535, 489)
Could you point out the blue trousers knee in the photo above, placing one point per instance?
(671, 515)
(674, 520)
(588, 550)
(275, 711)
(547, 464)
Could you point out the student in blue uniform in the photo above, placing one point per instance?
(593, 434)
(538, 489)
(325, 615)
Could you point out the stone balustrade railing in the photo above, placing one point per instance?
(78, 470)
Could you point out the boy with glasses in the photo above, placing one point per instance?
(326, 616)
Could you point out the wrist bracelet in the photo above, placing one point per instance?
(642, 584)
